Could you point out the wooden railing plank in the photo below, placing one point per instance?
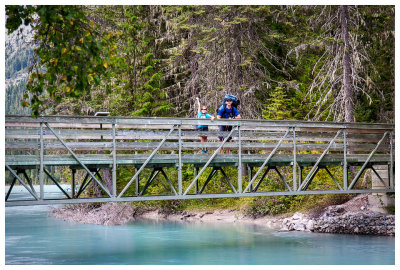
(67, 160)
(102, 146)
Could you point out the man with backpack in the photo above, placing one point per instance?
(228, 111)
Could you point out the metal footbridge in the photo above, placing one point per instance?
(115, 159)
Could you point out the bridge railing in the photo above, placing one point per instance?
(90, 143)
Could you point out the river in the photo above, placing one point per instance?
(34, 237)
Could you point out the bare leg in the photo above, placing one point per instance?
(203, 139)
(222, 149)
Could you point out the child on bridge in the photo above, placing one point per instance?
(202, 113)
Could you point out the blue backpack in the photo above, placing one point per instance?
(235, 100)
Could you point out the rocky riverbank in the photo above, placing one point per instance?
(357, 216)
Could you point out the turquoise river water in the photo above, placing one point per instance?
(34, 237)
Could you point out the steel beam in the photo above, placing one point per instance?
(333, 178)
(208, 162)
(240, 161)
(210, 176)
(194, 196)
(227, 179)
(282, 178)
(73, 183)
(294, 160)
(41, 170)
(55, 182)
(391, 168)
(180, 160)
(345, 167)
(262, 178)
(29, 182)
(315, 167)
(250, 175)
(196, 170)
(145, 163)
(169, 182)
(77, 159)
(114, 168)
(266, 161)
(11, 187)
(84, 184)
(153, 175)
(379, 177)
(22, 182)
(366, 162)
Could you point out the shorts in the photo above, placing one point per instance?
(202, 128)
(224, 128)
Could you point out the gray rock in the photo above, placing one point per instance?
(299, 227)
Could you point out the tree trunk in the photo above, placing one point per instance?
(347, 82)
(348, 91)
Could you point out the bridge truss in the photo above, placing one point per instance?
(265, 158)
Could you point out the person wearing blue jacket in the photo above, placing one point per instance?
(227, 111)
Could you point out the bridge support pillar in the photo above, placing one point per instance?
(381, 200)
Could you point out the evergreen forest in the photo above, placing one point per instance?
(317, 63)
(321, 63)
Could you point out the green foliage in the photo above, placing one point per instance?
(278, 105)
(70, 58)
(269, 206)
(14, 94)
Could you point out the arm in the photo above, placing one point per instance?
(210, 116)
(198, 104)
(237, 114)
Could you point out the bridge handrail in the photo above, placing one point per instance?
(192, 121)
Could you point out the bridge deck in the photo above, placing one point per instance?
(172, 160)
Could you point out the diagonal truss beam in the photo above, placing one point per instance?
(210, 176)
(29, 182)
(22, 182)
(267, 160)
(83, 185)
(152, 176)
(77, 159)
(11, 187)
(262, 178)
(283, 179)
(145, 163)
(313, 171)
(380, 178)
(227, 179)
(208, 162)
(169, 182)
(366, 162)
(55, 182)
(333, 178)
